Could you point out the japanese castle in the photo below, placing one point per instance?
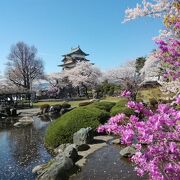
(74, 56)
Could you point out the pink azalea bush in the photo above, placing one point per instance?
(159, 131)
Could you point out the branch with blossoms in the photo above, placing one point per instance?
(169, 54)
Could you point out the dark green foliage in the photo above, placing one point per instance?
(103, 115)
(62, 130)
(107, 89)
(66, 105)
(140, 63)
(121, 107)
(105, 105)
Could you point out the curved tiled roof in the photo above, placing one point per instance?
(76, 51)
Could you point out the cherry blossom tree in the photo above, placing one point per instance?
(151, 70)
(83, 75)
(125, 76)
(155, 8)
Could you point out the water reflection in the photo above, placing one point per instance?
(21, 149)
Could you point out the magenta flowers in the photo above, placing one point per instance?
(160, 131)
(126, 93)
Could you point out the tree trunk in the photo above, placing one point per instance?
(86, 91)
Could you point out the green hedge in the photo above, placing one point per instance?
(62, 130)
(105, 105)
(121, 107)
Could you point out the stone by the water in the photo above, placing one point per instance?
(39, 168)
(83, 136)
(128, 151)
(22, 124)
(58, 169)
(61, 148)
(27, 119)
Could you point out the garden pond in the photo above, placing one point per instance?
(21, 149)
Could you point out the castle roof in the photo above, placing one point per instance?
(76, 51)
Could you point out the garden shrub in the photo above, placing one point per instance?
(105, 105)
(66, 105)
(121, 107)
(62, 130)
(103, 115)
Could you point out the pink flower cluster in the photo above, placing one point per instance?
(113, 125)
(139, 107)
(126, 93)
(160, 131)
(169, 54)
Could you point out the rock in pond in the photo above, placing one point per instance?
(128, 151)
(60, 166)
(83, 136)
(39, 168)
(61, 148)
(22, 124)
(68, 150)
(24, 121)
(58, 169)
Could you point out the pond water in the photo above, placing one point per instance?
(21, 149)
(106, 164)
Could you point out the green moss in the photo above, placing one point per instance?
(62, 130)
(121, 107)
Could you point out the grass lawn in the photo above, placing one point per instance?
(73, 103)
(144, 94)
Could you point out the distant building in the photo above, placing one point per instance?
(74, 56)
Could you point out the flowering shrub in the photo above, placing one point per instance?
(158, 129)
(161, 133)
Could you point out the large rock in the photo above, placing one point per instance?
(68, 150)
(59, 167)
(39, 168)
(128, 151)
(22, 124)
(61, 148)
(71, 152)
(83, 136)
(58, 170)
(26, 119)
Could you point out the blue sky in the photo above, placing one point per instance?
(54, 26)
